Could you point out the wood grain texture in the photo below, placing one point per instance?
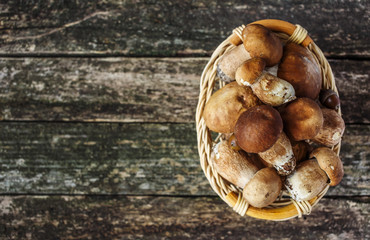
(134, 89)
(135, 159)
(160, 28)
(66, 217)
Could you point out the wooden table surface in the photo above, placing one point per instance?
(97, 110)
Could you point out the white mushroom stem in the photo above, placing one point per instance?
(272, 90)
(280, 155)
(332, 129)
(307, 181)
(234, 166)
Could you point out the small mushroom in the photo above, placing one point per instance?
(230, 61)
(234, 166)
(302, 118)
(307, 180)
(249, 71)
(260, 41)
(332, 130)
(225, 106)
(268, 88)
(329, 162)
(280, 155)
(299, 67)
(263, 188)
(258, 129)
(329, 99)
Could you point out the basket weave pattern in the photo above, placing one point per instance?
(284, 207)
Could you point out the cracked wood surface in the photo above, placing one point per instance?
(113, 158)
(162, 28)
(134, 89)
(65, 66)
(120, 217)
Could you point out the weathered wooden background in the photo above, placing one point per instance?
(97, 132)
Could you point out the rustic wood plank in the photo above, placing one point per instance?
(159, 28)
(112, 158)
(134, 89)
(65, 217)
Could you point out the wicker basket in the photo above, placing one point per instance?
(284, 207)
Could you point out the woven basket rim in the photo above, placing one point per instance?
(283, 208)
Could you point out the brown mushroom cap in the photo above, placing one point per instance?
(225, 106)
(302, 118)
(299, 68)
(307, 181)
(260, 41)
(234, 166)
(263, 188)
(258, 128)
(332, 130)
(329, 99)
(230, 61)
(249, 71)
(329, 162)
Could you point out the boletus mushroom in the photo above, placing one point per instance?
(263, 188)
(330, 162)
(230, 61)
(258, 129)
(306, 181)
(299, 68)
(280, 155)
(268, 88)
(258, 41)
(302, 118)
(225, 106)
(260, 186)
(235, 166)
(332, 130)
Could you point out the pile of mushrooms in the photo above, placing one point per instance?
(278, 125)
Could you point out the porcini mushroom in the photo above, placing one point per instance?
(330, 162)
(280, 155)
(234, 166)
(225, 106)
(257, 129)
(302, 119)
(249, 71)
(299, 67)
(307, 180)
(332, 130)
(268, 88)
(263, 188)
(230, 61)
(260, 41)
